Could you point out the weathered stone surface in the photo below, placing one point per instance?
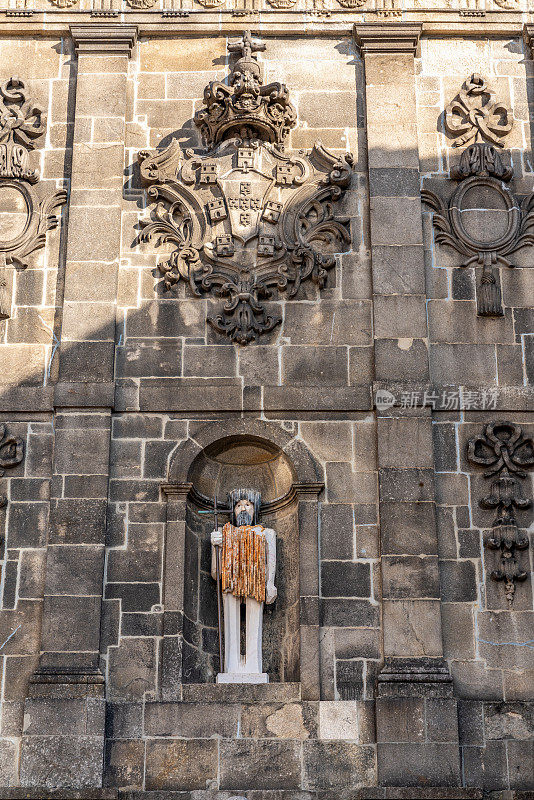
(288, 721)
(260, 764)
(419, 764)
(191, 720)
(342, 765)
(57, 761)
(181, 765)
(106, 373)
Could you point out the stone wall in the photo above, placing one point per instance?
(408, 665)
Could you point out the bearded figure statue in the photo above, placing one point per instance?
(247, 564)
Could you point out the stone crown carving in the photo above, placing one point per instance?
(245, 107)
(246, 217)
(475, 115)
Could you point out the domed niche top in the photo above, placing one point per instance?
(241, 461)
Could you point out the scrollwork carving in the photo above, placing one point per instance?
(22, 121)
(506, 453)
(459, 221)
(476, 115)
(247, 218)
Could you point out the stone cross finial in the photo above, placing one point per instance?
(247, 46)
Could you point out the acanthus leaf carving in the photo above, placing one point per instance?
(506, 453)
(22, 121)
(247, 218)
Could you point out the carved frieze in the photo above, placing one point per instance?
(483, 220)
(247, 218)
(26, 215)
(141, 3)
(282, 4)
(64, 3)
(475, 115)
(506, 453)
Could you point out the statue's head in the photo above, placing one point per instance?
(245, 506)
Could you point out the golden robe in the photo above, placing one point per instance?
(243, 561)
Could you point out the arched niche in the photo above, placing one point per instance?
(219, 458)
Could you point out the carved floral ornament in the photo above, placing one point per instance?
(482, 219)
(506, 453)
(25, 214)
(246, 217)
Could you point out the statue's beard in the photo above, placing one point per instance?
(244, 518)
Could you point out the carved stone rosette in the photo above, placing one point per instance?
(247, 218)
(506, 453)
(483, 220)
(21, 122)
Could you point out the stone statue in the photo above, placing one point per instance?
(247, 554)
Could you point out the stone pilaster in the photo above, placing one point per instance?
(64, 732)
(173, 598)
(417, 730)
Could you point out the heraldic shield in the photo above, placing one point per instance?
(247, 218)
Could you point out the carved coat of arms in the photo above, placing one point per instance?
(247, 218)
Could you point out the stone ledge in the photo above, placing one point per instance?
(411, 793)
(224, 693)
(29, 398)
(386, 37)
(20, 793)
(104, 39)
(84, 395)
(436, 22)
(364, 793)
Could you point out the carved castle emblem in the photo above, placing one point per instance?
(25, 216)
(506, 453)
(247, 218)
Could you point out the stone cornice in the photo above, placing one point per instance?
(115, 38)
(157, 23)
(387, 37)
